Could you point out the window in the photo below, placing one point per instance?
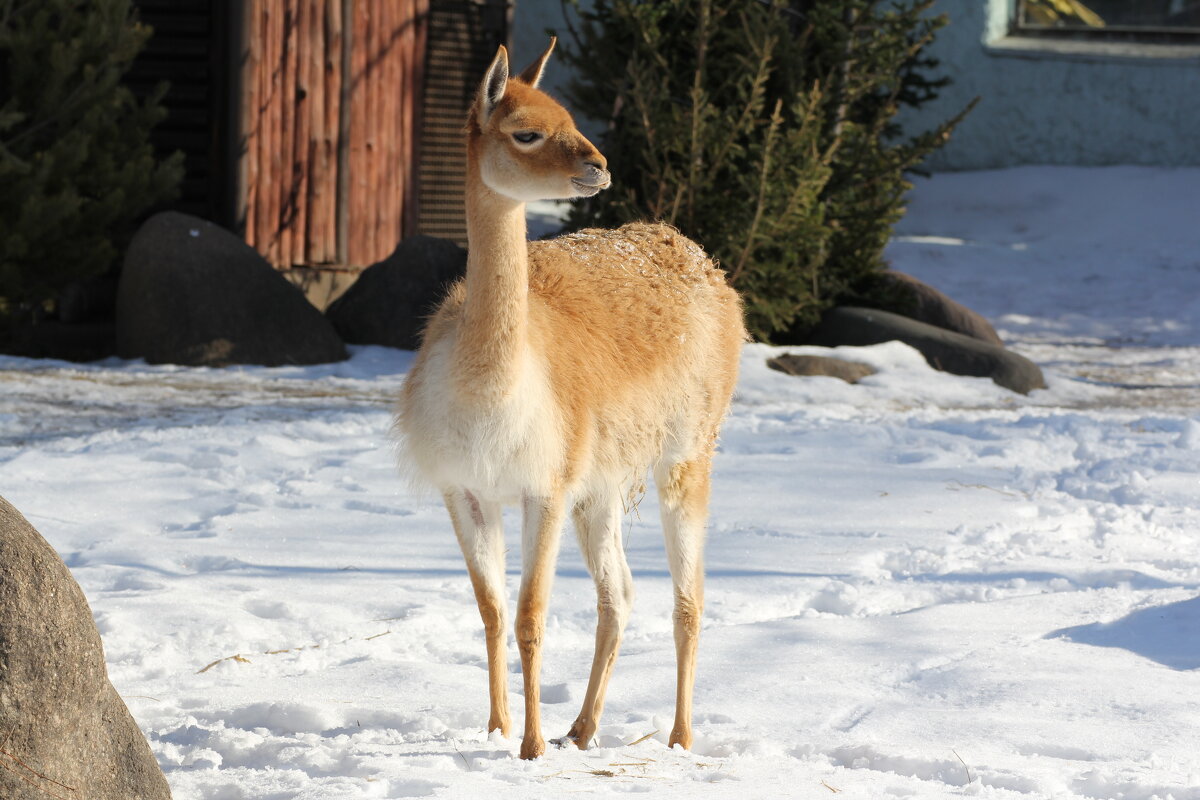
(1132, 20)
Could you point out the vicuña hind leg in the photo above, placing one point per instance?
(598, 525)
(683, 490)
(481, 537)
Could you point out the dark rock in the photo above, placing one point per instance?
(924, 303)
(793, 364)
(64, 730)
(193, 293)
(391, 300)
(943, 349)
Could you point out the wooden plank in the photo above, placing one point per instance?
(287, 133)
(318, 163)
(272, 81)
(359, 168)
(410, 75)
(369, 168)
(274, 210)
(405, 90)
(331, 70)
(300, 147)
(267, 168)
(386, 103)
(262, 237)
(329, 143)
(414, 119)
(249, 123)
(344, 114)
(376, 111)
(390, 95)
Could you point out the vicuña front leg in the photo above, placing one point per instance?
(598, 525)
(683, 495)
(478, 527)
(539, 551)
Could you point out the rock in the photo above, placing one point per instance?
(391, 300)
(793, 364)
(922, 302)
(192, 293)
(62, 724)
(943, 349)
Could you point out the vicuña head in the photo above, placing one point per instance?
(555, 375)
(525, 144)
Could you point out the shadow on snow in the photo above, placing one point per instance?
(1167, 634)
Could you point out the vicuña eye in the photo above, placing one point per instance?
(527, 137)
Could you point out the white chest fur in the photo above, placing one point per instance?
(501, 449)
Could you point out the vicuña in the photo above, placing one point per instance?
(555, 375)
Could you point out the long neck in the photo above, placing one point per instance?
(493, 334)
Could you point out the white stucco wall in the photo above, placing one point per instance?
(1057, 102)
(1042, 102)
(532, 19)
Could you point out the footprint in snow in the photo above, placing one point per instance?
(268, 609)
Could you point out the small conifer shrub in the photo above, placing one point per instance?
(765, 130)
(76, 165)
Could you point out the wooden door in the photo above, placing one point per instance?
(330, 104)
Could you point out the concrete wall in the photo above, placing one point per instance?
(1059, 102)
(532, 19)
(1043, 102)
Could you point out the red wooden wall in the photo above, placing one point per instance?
(330, 107)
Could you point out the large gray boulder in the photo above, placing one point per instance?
(64, 730)
(943, 349)
(192, 293)
(922, 302)
(391, 300)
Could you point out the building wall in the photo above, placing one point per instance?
(533, 22)
(1058, 102)
(1043, 102)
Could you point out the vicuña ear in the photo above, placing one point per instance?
(533, 73)
(491, 91)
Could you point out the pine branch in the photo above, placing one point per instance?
(761, 200)
(694, 156)
(754, 101)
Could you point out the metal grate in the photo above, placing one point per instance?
(463, 37)
(189, 50)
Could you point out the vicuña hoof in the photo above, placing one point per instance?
(568, 740)
(532, 748)
(683, 738)
(502, 725)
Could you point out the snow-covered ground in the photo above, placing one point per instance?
(922, 586)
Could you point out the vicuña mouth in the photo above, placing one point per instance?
(588, 189)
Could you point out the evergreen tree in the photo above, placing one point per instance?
(765, 130)
(76, 167)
